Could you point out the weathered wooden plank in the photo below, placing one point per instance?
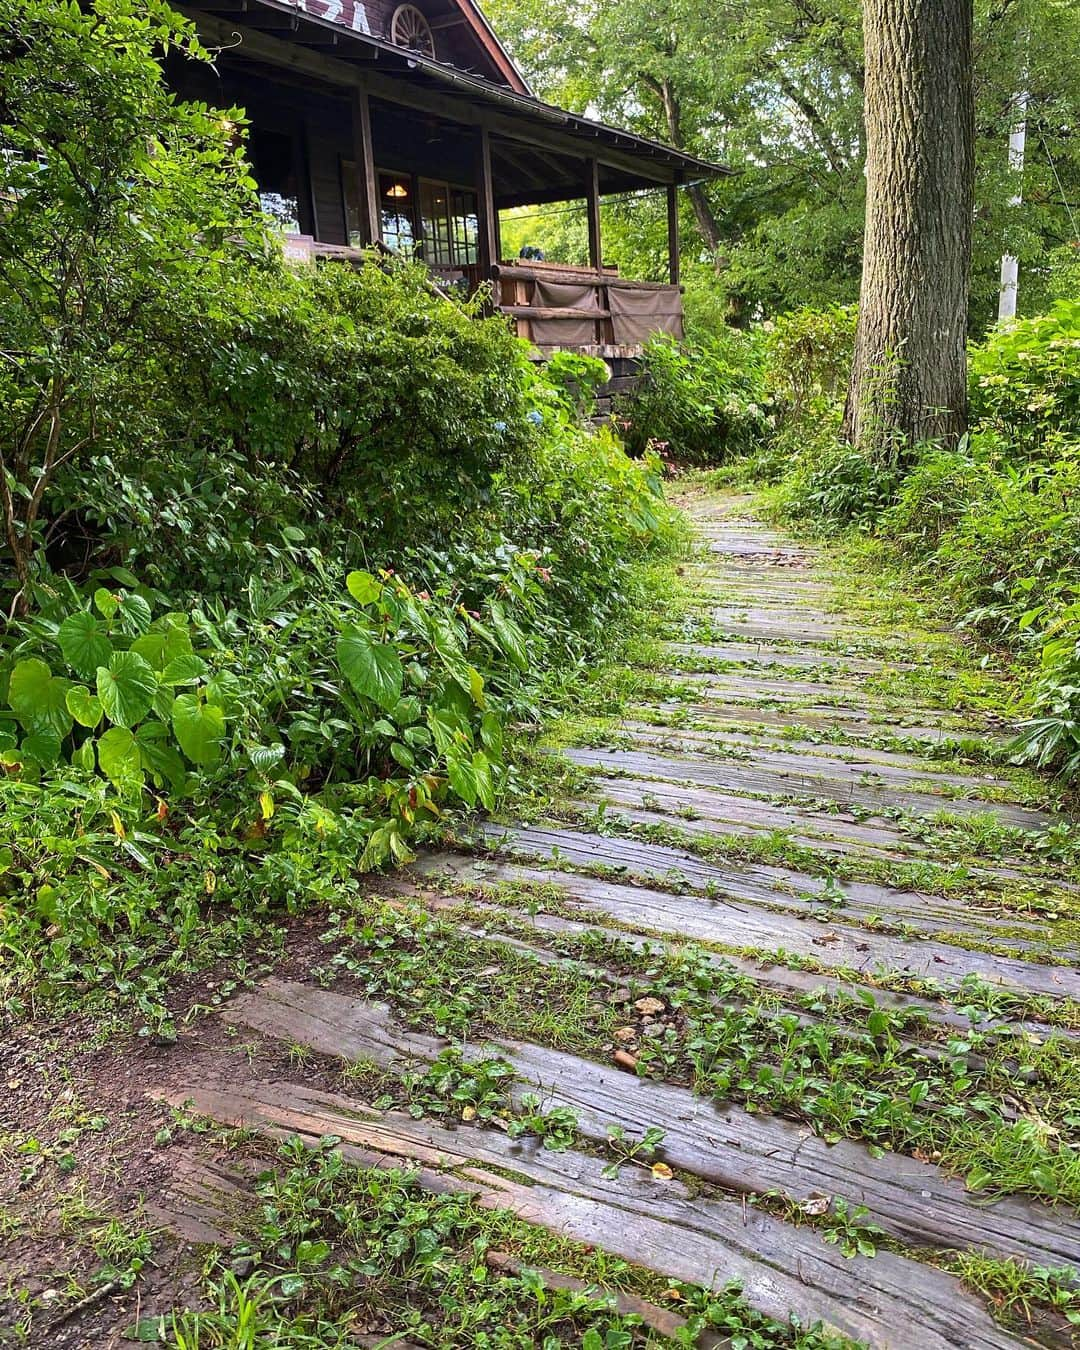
(782, 781)
(706, 808)
(832, 944)
(661, 1227)
(784, 981)
(760, 654)
(741, 1152)
(763, 747)
(828, 723)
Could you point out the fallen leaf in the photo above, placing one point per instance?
(672, 1294)
(624, 1060)
(468, 1113)
(816, 1205)
(649, 1006)
(661, 1171)
(625, 1033)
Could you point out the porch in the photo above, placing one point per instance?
(356, 142)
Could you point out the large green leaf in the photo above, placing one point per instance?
(126, 687)
(43, 747)
(363, 587)
(39, 699)
(83, 643)
(84, 706)
(163, 644)
(199, 728)
(187, 668)
(119, 758)
(511, 639)
(373, 668)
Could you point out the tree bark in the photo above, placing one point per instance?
(708, 225)
(909, 374)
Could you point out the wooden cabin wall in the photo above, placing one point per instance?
(319, 122)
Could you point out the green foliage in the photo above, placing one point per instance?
(335, 1249)
(577, 377)
(700, 403)
(809, 356)
(990, 524)
(1024, 378)
(125, 214)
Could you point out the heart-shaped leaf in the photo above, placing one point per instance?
(84, 706)
(186, 668)
(199, 728)
(118, 755)
(39, 699)
(126, 687)
(363, 587)
(84, 643)
(373, 668)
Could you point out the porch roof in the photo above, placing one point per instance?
(558, 139)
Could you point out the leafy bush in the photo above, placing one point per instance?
(1024, 377)
(578, 378)
(703, 403)
(125, 215)
(809, 355)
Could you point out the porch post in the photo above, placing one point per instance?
(368, 184)
(673, 233)
(592, 199)
(489, 217)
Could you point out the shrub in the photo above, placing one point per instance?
(809, 356)
(1024, 380)
(126, 213)
(703, 402)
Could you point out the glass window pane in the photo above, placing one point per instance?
(435, 221)
(395, 212)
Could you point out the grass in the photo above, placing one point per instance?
(849, 1066)
(336, 1251)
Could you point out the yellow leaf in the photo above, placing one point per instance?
(469, 1113)
(118, 826)
(661, 1171)
(210, 883)
(266, 803)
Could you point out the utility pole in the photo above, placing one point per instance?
(1010, 265)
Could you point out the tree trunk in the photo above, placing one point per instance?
(909, 375)
(708, 225)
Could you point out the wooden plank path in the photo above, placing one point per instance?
(782, 741)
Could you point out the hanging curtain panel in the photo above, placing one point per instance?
(637, 314)
(564, 332)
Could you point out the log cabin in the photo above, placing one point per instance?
(408, 127)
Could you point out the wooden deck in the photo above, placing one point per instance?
(787, 738)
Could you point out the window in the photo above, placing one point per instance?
(448, 217)
(396, 212)
(273, 159)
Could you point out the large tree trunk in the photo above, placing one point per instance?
(908, 378)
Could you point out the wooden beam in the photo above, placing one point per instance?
(673, 233)
(368, 182)
(592, 200)
(552, 312)
(489, 216)
(351, 67)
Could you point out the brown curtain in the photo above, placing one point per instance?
(564, 332)
(637, 314)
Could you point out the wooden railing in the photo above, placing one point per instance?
(598, 309)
